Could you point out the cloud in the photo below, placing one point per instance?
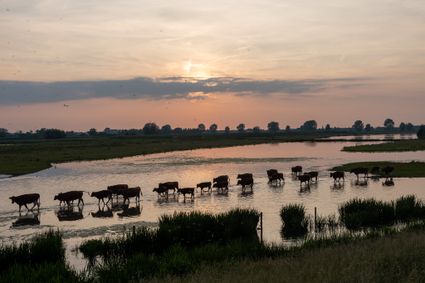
(24, 92)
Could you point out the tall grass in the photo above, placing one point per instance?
(295, 222)
(408, 208)
(357, 213)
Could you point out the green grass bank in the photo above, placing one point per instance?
(401, 169)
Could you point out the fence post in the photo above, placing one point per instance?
(315, 219)
(134, 232)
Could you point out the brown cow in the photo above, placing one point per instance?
(221, 179)
(297, 170)
(131, 193)
(25, 199)
(162, 191)
(305, 178)
(170, 186)
(69, 197)
(116, 189)
(101, 195)
(313, 175)
(221, 186)
(360, 170)
(246, 182)
(185, 191)
(204, 185)
(338, 176)
(245, 176)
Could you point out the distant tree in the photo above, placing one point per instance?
(358, 125)
(166, 129)
(178, 130)
(3, 132)
(389, 124)
(273, 127)
(421, 132)
(402, 127)
(241, 128)
(368, 128)
(92, 132)
(150, 128)
(53, 134)
(227, 129)
(310, 125)
(201, 127)
(409, 127)
(213, 128)
(256, 129)
(327, 128)
(288, 128)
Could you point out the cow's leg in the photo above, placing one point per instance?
(26, 206)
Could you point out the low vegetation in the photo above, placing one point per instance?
(395, 146)
(294, 220)
(401, 169)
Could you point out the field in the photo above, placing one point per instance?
(396, 146)
(23, 157)
(401, 169)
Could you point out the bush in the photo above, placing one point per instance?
(356, 214)
(295, 222)
(407, 208)
(421, 132)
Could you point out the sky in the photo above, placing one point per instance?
(75, 64)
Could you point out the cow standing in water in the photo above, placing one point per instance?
(24, 200)
(360, 170)
(338, 176)
(204, 185)
(297, 170)
(70, 197)
(304, 179)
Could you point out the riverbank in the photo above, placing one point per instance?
(401, 169)
(395, 146)
(24, 157)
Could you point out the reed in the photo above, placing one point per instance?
(295, 222)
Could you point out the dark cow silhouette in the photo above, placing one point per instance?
(162, 191)
(204, 185)
(338, 176)
(221, 179)
(171, 186)
(222, 186)
(186, 191)
(313, 175)
(70, 197)
(117, 189)
(245, 176)
(297, 170)
(101, 195)
(131, 193)
(246, 182)
(305, 178)
(360, 170)
(68, 214)
(275, 176)
(25, 199)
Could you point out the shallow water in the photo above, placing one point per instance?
(190, 168)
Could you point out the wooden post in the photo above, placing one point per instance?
(315, 219)
(261, 225)
(134, 232)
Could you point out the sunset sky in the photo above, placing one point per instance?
(75, 64)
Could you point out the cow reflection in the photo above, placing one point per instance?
(103, 212)
(337, 186)
(128, 211)
(70, 213)
(360, 182)
(29, 219)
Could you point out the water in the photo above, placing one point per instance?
(190, 168)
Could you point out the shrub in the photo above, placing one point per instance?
(295, 222)
(407, 208)
(356, 214)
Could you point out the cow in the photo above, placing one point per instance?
(170, 186)
(25, 199)
(116, 189)
(246, 182)
(274, 175)
(360, 170)
(204, 185)
(101, 195)
(245, 176)
(337, 176)
(297, 170)
(271, 173)
(222, 186)
(387, 170)
(313, 175)
(131, 193)
(305, 178)
(375, 170)
(185, 191)
(221, 179)
(162, 191)
(69, 197)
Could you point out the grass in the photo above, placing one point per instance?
(396, 146)
(19, 157)
(393, 258)
(401, 169)
(295, 222)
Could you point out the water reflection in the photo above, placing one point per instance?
(128, 211)
(70, 213)
(31, 218)
(104, 211)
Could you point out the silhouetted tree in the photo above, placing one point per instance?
(150, 128)
(402, 127)
(310, 125)
(201, 127)
(421, 132)
(358, 125)
(389, 124)
(368, 128)
(409, 127)
(3, 132)
(227, 129)
(92, 132)
(53, 133)
(213, 128)
(256, 129)
(178, 130)
(241, 127)
(288, 128)
(327, 128)
(166, 129)
(273, 127)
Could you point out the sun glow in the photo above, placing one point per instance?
(195, 70)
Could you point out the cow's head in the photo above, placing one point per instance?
(13, 199)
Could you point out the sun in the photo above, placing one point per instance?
(195, 70)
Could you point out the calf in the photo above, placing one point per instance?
(297, 170)
(162, 191)
(69, 197)
(204, 185)
(117, 189)
(313, 175)
(304, 179)
(23, 200)
(185, 191)
(101, 195)
(131, 193)
(338, 176)
(360, 170)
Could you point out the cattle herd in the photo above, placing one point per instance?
(220, 183)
